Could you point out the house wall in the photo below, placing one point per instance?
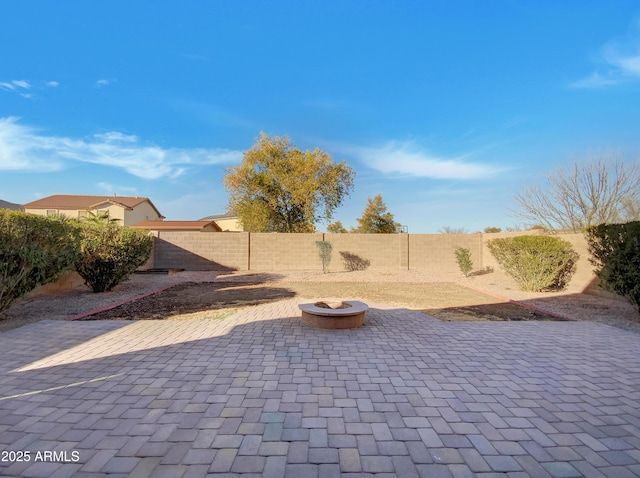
(71, 213)
(142, 212)
(231, 224)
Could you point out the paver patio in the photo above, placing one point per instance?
(260, 394)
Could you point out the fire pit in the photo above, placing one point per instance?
(334, 314)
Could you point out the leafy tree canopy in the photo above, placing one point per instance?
(278, 188)
(375, 219)
(336, 228)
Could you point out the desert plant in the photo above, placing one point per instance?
(110, 254)
(353, 262)
(34, 250)
(537, 263)
(615, 252)
(463, 258)
(324, 249)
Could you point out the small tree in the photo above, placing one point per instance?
(375, 219)
(34, 250)
(463, 258)
(110, 254)
(324, 249)
(602, 190)
(490, 230)
(279, 188)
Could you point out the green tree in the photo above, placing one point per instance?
(278, 188)
(463, 258)
(375, 219)
(336, 228)
(492, 229)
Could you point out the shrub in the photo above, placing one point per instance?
(537, 263)
(324, 249)
(34, 250)
(463, 258)
(615, 252)
(110, 254)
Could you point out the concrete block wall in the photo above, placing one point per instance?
(67, 281)
(436, 252)
(194, 250)
(270, 251)
(387, 252)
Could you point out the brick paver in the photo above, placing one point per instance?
(259, 393)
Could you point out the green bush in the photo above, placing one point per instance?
(537, 263)
(110, 254)
(34, 250)
(615, 252)
(463, 258)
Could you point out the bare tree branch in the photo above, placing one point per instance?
(603, 189)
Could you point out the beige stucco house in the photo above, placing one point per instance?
(128, 210)
(227, 222)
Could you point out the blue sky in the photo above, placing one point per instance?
(445, 108)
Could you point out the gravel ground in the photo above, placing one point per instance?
(570, 303)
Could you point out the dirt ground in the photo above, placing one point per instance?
(216, 300)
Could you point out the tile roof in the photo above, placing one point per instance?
(176, 225)
(71, 201)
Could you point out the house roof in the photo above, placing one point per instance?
(176, 225)
(71, 201)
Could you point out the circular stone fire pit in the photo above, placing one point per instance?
(334, 314)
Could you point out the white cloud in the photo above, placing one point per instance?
(53, 84)
(621, 59)
(15, 85)
(22, 84)
(101, 83)
(405, 158)
(24, 149)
